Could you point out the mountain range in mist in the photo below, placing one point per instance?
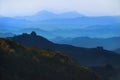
(61, 24)
(85, 56)
(112, 43)
(59, 49)
(46, 15)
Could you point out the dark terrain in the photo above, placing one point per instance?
(85, 56)
(22, 63)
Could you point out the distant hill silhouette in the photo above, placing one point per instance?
(85, 56)
(47, 15)
(22, 63)
(108, 43)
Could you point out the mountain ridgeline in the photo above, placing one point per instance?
(24, 63)
(63, 24)
(85, 56)
(112, 43)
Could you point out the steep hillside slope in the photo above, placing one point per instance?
(21, 63)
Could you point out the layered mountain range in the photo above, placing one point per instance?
(61, 24)
(62, 54)
(112, 43)
(85, 56)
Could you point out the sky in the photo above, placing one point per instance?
(86, 7)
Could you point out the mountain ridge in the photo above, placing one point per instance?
(48, 15)
(111, 43)
(109, 25)
(20, 62)
(85, 56)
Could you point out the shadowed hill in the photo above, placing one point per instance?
(117, 51)
(85, 56)
(107, 72)
(22, 63)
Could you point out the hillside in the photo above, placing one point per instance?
(107, 72)
(23, 63)
(85, 56)
(117, 50)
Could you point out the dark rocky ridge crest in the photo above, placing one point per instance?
(85, 56)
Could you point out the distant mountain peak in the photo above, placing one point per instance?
(44, 12)
(42, 15)
(47, 15)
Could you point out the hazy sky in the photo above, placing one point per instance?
(86, 7)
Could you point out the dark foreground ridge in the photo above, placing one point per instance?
(85, 56)
(22, 63)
